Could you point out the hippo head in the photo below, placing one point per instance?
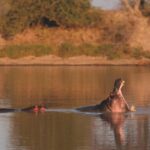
(119, 83)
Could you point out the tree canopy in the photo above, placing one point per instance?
(28, 13)
(17, 15)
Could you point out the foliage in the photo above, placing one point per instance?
(146, 10)
(146, 54)
(137, 53)
(137, 6)
(67, 49)
(109, 51)
(70, 12)
(28, 13)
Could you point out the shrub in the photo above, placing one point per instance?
(137, 53)
(88, 49)
(146, 54)
(109, 50)
(23, 14)
(67, 49)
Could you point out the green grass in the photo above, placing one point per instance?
(146, 54)
(68, 49)
(110, 51)
(17, 51)
(137, 53)
(88, 49)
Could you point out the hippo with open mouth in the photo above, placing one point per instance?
(115, 102)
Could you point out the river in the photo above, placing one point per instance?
(64, 88)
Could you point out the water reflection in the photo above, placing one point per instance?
(116, 121)
(5, 131)
(69, 87)
(51, 131)
(122, 131)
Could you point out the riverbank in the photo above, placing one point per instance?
(105, 45)
(77, 60)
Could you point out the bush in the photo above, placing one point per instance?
(107, 50)
(28, 13)
(137, 53)
(146, 54)
(110, 51)
(88, 49)
(67, 49)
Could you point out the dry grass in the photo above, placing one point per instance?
(56, 36)
(141, 34)
(120, 36)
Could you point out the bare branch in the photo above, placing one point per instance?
(135, 8)
(137, 4)
(127, 5)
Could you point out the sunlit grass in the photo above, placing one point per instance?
(68, 49)
(17, 51)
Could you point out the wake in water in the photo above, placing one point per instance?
(139, 111)
(65, 110)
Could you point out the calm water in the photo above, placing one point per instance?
(65, 88)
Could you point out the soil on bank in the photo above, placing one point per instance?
(75, 61)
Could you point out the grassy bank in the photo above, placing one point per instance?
(18, 51)
(68, 49)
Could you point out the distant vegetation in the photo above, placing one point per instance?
(22, 14)
(114, 28)
(18, 15)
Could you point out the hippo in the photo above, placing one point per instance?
(115, 102)
(34, 108)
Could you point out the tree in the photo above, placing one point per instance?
(135, 6)
(28, 13)
(132, 6)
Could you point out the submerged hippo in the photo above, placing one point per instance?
(34, 108)
(115, 102)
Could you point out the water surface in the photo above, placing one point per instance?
(65, 88)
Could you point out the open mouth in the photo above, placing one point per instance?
(123, 82)
(121, 85)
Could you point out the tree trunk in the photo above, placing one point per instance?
(135, 9)
(142, 4)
